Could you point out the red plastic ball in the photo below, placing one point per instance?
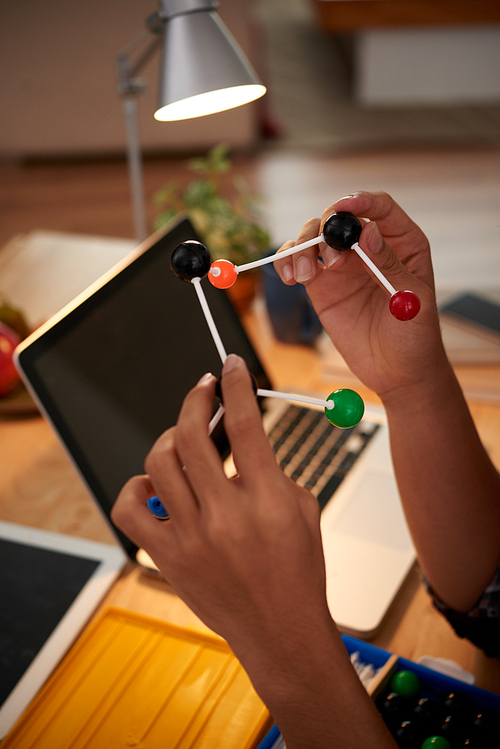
(404, 305)
(225, 274)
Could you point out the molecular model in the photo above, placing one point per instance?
(191, 261)
(341, 231)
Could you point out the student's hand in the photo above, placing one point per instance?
(245, 553)
(388, 355)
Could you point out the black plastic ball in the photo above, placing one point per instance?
(456, 702)
(487, 727)
(425, 710)
(451, 727)
(406, 736)
(342, 230)
(191, 259)
(393, 707)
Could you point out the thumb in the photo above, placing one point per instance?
(384, 257)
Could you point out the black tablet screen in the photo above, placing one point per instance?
(37, 587)
(113, 372)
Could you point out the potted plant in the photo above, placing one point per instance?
(229, 225)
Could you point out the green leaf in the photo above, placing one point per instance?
(163, 218)
(229, 226)
(215, 162)
(165, 194)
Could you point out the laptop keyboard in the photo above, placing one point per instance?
(316, 454)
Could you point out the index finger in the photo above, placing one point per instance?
(303, 266)
(196, 451)
(251, 450)
(376, 206)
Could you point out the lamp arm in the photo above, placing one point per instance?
(134, 167)
(128, 70)
(129, 88)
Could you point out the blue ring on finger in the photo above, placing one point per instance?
(156, 508)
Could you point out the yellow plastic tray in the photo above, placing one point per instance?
(131, 681)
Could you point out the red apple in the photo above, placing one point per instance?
(9, 377)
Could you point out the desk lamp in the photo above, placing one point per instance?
(203, 71)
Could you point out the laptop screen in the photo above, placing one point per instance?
(112, 372)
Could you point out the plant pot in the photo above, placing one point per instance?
(242, 292)
(290, 311)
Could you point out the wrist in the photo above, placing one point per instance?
(314, 694)
(433, 391)
(283, 661)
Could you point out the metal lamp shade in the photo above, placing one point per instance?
(203, 70)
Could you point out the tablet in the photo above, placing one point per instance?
(50, 584)
(110, 370)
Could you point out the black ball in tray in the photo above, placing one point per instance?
(432, 719)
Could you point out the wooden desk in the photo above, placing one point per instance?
(38, 486)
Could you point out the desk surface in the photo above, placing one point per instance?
(39, 487)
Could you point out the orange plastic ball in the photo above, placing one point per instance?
(222, 274)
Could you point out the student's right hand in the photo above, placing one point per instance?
(245, 554)
(391, 357)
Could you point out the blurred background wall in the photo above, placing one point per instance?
(341, 73)
(58, 87)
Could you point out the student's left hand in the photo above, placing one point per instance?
(389, 356)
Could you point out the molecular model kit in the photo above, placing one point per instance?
(191, 261)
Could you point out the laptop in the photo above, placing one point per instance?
(111, 369)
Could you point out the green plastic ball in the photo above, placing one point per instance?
(436, 742)
(348, 408)
(405, 683)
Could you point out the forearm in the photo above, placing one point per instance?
(449, 488)
(314, 694)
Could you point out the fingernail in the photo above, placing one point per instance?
(206, 377)
(232, 362)
(374, 239)
(330, 256)
(346, 197)
(287, 272)
(304, 269)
